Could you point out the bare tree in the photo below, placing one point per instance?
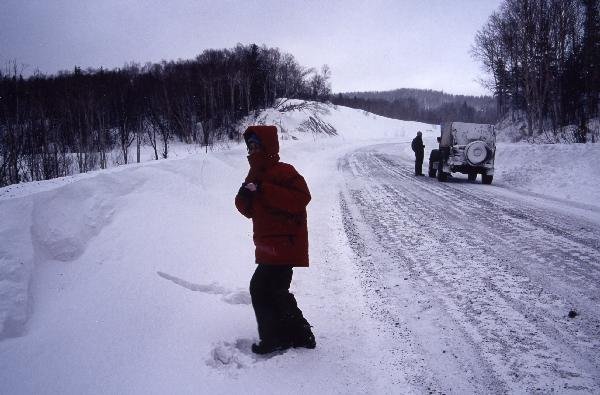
(530, 50)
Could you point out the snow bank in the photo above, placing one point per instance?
(560, 171)
(16, 265)
(53, 225)
(64, 220)
(351, 124)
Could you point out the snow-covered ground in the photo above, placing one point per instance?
(134, 279)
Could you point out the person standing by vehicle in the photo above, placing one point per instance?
(274, 195)
(419, 149)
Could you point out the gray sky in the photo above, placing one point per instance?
(369, 45)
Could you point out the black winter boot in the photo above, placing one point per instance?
(303, 337)
(267, 347)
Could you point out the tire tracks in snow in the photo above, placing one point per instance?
(502, 274)
(434, 363)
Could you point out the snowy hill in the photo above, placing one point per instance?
(134, 279)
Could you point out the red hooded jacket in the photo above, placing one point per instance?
(278, 207)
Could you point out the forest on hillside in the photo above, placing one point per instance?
(543, 62)
(54, 125)
(422, 105)
(427, 98)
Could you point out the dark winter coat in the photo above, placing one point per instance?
(278, 207)
(418, 147)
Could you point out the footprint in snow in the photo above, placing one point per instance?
(228, 296)
(237, 355)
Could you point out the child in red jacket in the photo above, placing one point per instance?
(274, 195)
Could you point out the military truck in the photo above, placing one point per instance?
(468, 148)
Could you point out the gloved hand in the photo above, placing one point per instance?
(248, 189)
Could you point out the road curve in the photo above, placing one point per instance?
(471, 288)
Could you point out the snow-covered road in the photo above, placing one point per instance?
(472, 284)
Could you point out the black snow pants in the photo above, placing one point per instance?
(419, 163)
(277, 314)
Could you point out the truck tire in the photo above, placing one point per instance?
(472, 176)
(485, 179)
(441, 176)
(432, 171)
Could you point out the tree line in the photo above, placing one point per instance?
(55, 125)
(422, 105)
(543, 59)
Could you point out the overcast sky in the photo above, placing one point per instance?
(368, 45)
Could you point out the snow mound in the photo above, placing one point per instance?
(55, 225)
(306, 120)
(16, 265)
(66, 219)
